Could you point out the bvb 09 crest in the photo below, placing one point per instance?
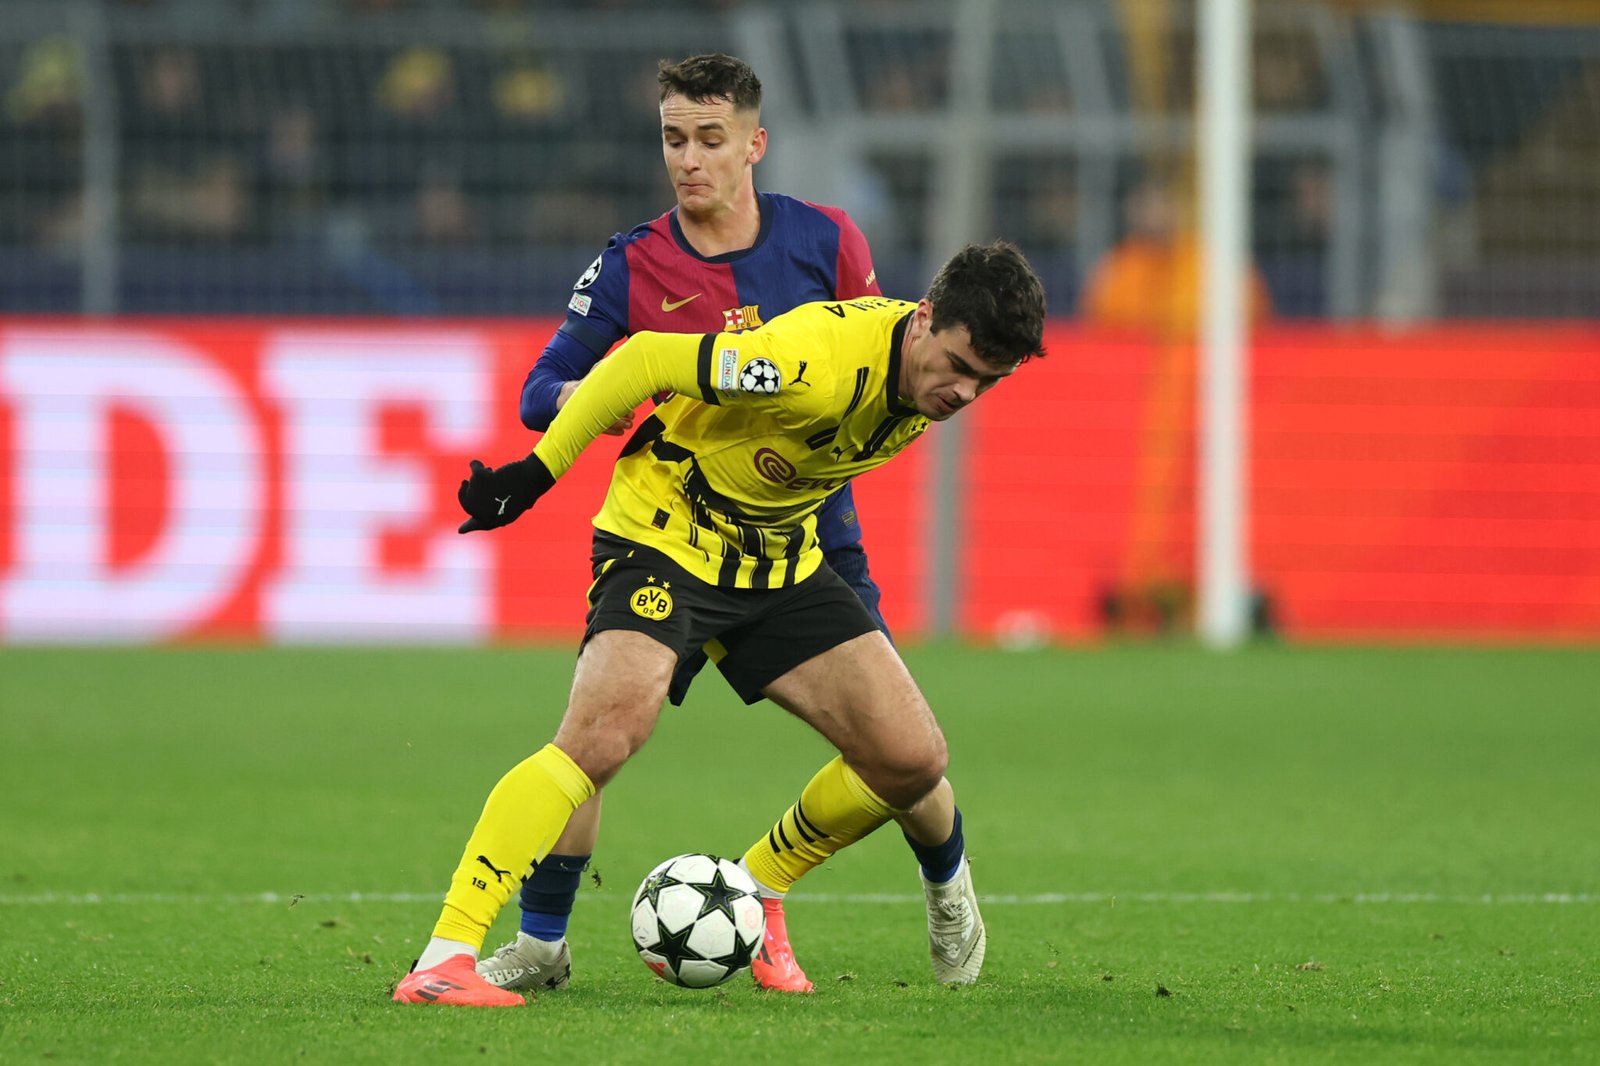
(651, 602)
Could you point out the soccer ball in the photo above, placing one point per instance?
(697, 920)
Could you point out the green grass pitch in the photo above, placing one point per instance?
(1289, 854)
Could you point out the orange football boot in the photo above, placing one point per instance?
(774, 966)
(454, 983)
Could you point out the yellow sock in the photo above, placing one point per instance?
(521, 821)
(836, 808)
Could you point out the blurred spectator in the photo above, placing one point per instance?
(1286, 73)
(1033, 79)
(41, 200)
(418, 84)
(904, 72)
(49, 83)
(292, 173)
(1293, 206)
(1037, 199)
(183, 180)
(412, 167)
(211, 201)
(1151, 279)
(292, 153)
(170, 85)
(1554, 162)
(894, 89)
(527, 92)
(442, 214)
(907, 86)
(570, 214)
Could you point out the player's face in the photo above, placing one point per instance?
(939, 372)
(709, 148)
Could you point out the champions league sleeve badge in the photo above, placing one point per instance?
(760, 376)
(590, 274)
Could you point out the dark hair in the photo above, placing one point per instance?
(992, 291)
(710, 77)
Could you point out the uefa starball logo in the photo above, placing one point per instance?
(774, 467)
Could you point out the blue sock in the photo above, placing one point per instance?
(940, 861)
(548, 894)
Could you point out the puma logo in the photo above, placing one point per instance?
(501, 511)
(673, 305)
(497, 871)
(799, 377)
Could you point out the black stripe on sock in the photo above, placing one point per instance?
(800, 815)
(799, 827)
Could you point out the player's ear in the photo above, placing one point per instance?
(758, 146)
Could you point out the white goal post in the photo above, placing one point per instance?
(1223, 612)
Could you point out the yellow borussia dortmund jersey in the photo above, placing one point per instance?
(725, 477)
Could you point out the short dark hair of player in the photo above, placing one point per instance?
(711, 77)
(991, 290)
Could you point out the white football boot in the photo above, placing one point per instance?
(528, 964)
(956, 937)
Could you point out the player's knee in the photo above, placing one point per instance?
(908, 771)
(600, 753)
(616, 697)
(930, 769)
(602, 745)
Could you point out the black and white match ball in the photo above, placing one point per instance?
(697, 920)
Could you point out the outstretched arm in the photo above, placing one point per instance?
(563, 362)
(553, 379)
(642, 366)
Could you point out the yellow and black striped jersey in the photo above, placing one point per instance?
(725, 477)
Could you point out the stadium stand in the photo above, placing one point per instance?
(432, 157)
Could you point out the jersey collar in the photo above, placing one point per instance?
(763, 203)
(891, 385)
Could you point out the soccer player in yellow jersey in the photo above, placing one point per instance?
(707, 537)
(723, 242)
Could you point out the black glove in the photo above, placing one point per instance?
(496, 496)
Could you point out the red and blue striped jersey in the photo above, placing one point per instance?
(652, 279)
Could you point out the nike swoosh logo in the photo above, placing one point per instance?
(673, 305)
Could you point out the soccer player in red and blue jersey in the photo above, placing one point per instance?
(723, 260)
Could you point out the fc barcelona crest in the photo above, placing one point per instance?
(736, 318)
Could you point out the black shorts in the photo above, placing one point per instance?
(755, 636)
